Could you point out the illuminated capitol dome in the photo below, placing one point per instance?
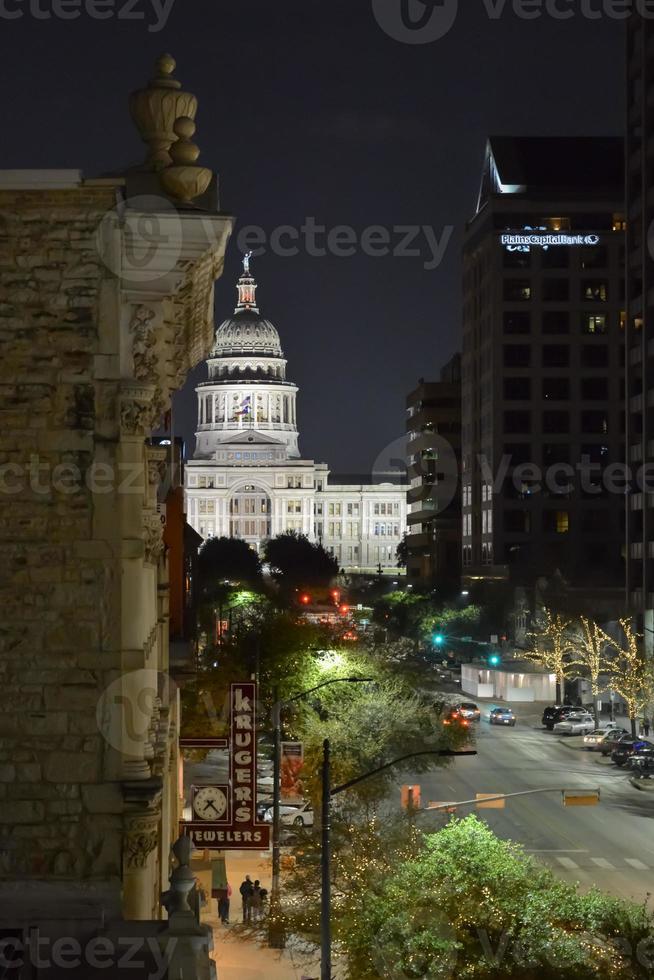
(247, 397)
(247, 480)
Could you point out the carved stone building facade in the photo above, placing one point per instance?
(100, 323)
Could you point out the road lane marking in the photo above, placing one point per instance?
(603, 863)
(638, 865)
(568, 863)
(557, 850)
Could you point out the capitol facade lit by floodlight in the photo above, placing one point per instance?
(247, 479)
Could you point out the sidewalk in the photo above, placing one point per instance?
(238, 957)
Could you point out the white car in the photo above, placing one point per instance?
(602, 736)
(302, 816)
(577, 723)
(285, 810)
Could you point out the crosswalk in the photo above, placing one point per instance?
(570, 864)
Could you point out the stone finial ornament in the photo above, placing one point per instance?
(155, 108)
(183, 179)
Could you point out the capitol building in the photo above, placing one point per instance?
(247, 479)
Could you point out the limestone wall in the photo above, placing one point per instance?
(89, 359)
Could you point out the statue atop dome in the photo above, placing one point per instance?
(246, 263)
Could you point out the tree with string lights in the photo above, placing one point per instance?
(633, 672)
(590, 654)
(552, 647)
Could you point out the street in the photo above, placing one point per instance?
(610, 845)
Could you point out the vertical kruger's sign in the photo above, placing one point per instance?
(243, 832)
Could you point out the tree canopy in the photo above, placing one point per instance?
(461, 902)
(297, 562)
(228, 559)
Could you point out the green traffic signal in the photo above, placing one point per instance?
(438, 639)
(494, 659)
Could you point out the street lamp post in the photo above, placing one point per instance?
(325, 862)
(276, 933)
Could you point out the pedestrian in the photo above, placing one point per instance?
(223, 905)
(646, 726)
(258, 897)
(247, 890)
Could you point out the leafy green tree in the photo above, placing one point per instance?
(461, 902)
(297, 562)
(228, 560)
(402, 553)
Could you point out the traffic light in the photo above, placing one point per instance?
(305, 599)
(438, 639)
(494, 659)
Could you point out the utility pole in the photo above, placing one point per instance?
(276, 931)
(325, 867)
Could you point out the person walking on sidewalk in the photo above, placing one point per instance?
(247, 891)
(646, 724)
(258, 898)
(223, 905)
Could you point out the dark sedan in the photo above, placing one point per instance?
(627, 747)
(555, 713)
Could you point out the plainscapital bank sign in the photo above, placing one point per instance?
(523, 241)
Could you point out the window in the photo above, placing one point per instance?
(556, 389)
(517, 389)
(556, 321)
(517, 355)
(594, 423)
(517, 323)
(334, 529)
(556, 355)
(595, 389)
(517, 521)
(594, 355)
(335, 510)
(516, 290)
(516, 260)
(555, 422)
(352, 510)
(593, 257)
(556, 452)
(293, 507)
(556, 521)
(593, 323)
(594, 291)
(518, 452)
(555, 258)
(517, 421)
(556, 290)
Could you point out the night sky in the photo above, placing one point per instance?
(308, 109)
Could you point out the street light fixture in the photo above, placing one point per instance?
(276, 937)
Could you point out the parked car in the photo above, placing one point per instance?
(641, 759)
(555, 713)
(469, 710)
(284, 810)
(611, 741)
(577, 723)
(302, 816)
(627, 747)
(642, 763)
(602, 736)
(502, 716)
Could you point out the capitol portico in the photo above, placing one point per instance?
(247, 479)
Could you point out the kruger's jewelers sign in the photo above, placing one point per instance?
(242, 832)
